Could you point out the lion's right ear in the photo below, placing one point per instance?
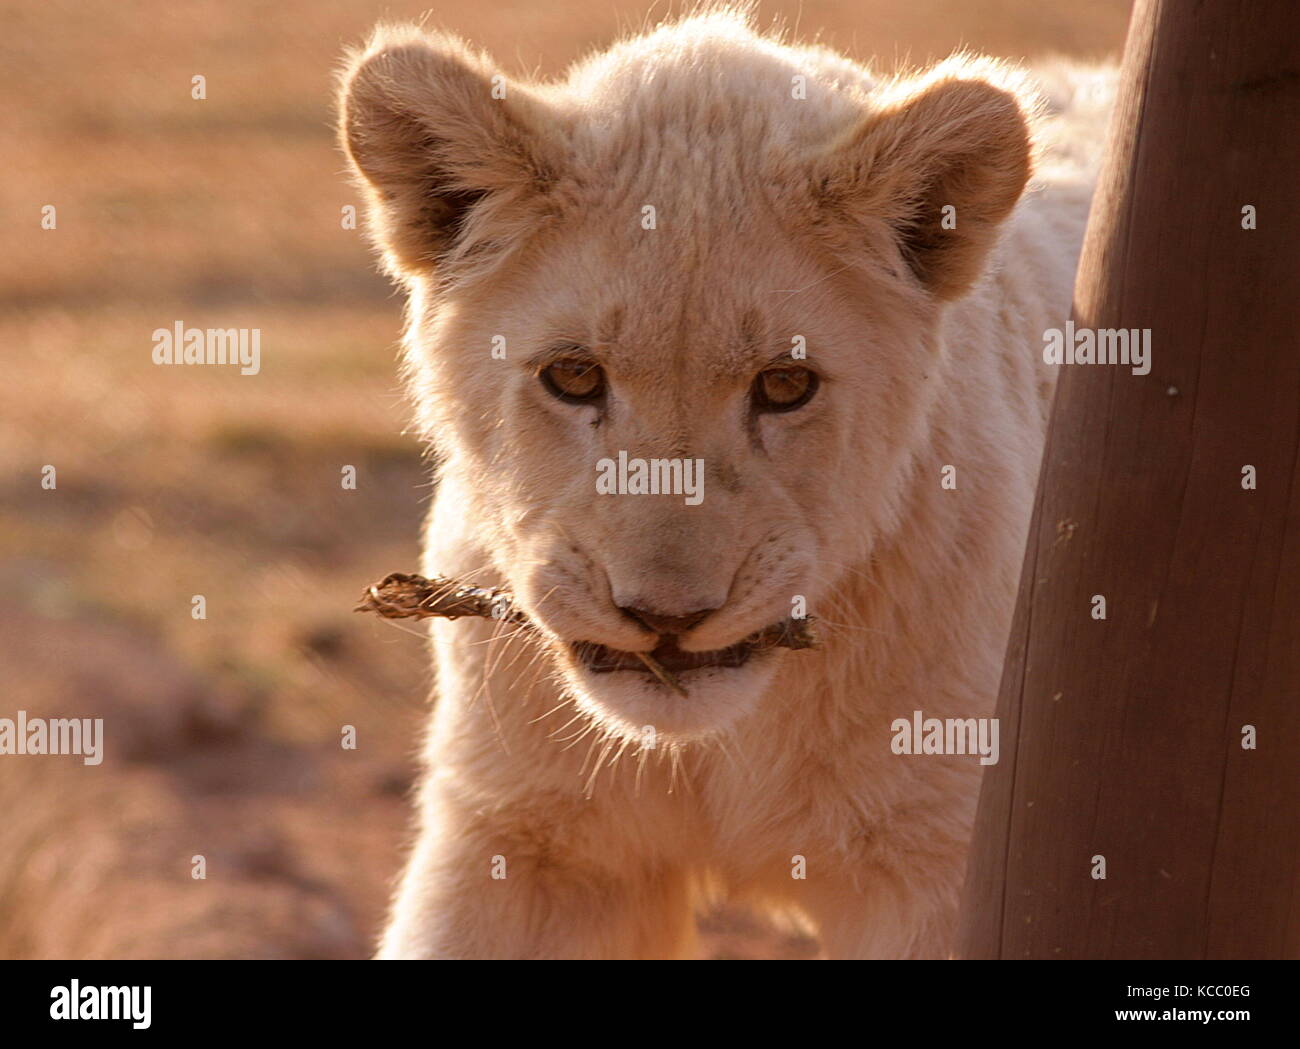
(456, 160)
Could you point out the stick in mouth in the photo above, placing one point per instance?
(404, 595)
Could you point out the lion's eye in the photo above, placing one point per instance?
(784, 389)
(574, 381)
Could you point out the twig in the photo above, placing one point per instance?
(403, 595)
(658, 671)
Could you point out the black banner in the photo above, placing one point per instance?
(341, 999)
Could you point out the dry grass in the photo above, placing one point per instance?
(223, 735)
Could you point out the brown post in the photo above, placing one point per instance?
(1123, 736)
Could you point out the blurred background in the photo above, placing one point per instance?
(222, 736)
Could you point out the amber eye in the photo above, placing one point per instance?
(575, 381)
(784, 389)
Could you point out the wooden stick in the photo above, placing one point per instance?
(658, 671)
(404, 595)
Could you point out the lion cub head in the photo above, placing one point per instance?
(673, 323)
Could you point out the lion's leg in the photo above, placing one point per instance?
(865, 932)
(475, 890)
(884, 915)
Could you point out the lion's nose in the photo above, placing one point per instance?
(665, 625)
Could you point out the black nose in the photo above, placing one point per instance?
(668, 624)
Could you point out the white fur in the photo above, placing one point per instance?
(775, 217)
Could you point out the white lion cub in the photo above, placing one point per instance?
(818, 296)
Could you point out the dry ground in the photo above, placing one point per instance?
(223, 735)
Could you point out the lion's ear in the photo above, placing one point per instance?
(940, 165)
(456, 159)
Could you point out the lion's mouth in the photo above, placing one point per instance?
(601, 659)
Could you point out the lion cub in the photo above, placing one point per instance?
(804, 304)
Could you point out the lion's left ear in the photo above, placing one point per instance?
(955, 145)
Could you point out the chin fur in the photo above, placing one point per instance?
(631, 703)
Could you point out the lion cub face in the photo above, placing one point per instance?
(671, 328)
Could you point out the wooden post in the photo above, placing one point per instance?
(1123, 736)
